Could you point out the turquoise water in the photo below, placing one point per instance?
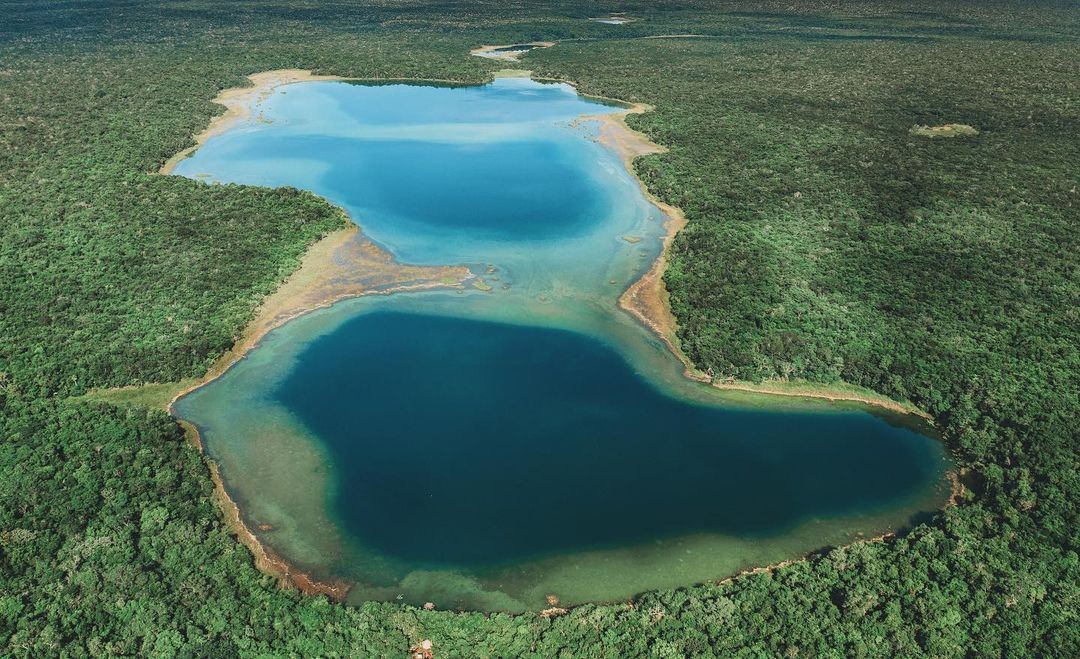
(487, 449)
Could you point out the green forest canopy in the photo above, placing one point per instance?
(825, 242)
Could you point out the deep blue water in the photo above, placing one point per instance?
(498, 442)
(484, 449)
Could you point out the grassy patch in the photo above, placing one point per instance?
(154, 395)
(947, 130)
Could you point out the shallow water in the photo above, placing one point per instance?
(486, 449)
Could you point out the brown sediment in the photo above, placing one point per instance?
(647, 299)
(266, 560)
(238, 102)
(764, 569)
(343, 264)
(811, 390)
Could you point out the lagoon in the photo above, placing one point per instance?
(487, 448)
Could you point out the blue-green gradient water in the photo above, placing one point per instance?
(488, 448)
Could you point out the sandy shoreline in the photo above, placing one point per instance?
(345, 264)
(266, 560)
(238, 102)
(647, 299)
(341, 265)
(956, 492)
